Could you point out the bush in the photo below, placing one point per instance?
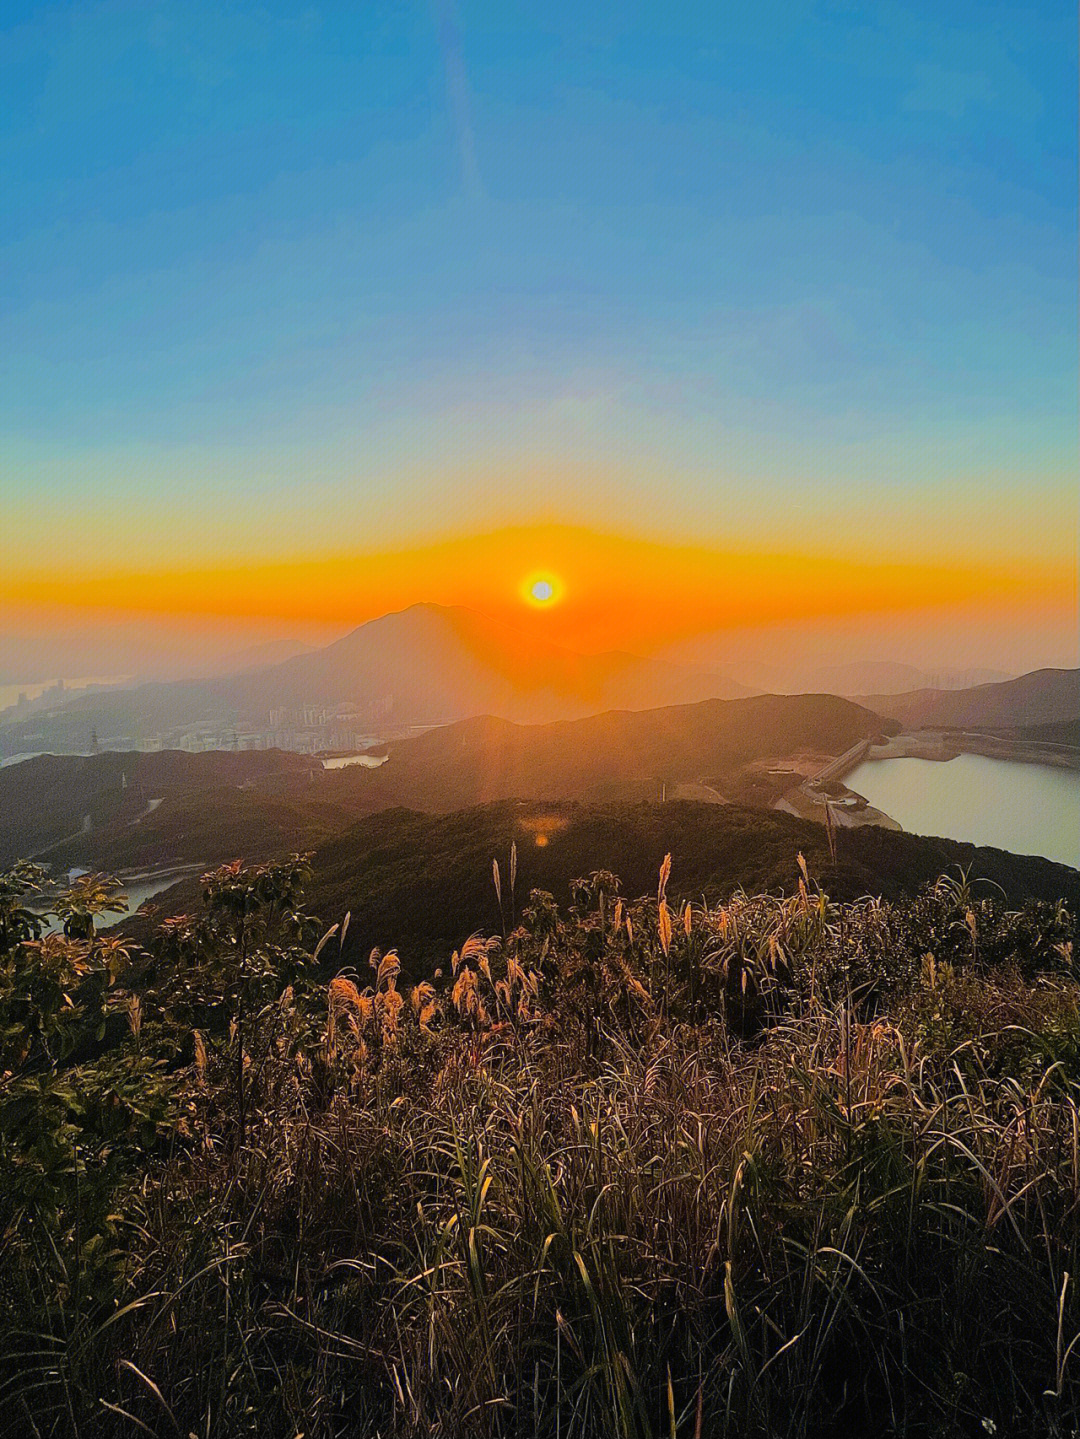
(779, 1167)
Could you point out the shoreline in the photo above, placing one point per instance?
(171, 873)
(851, 810)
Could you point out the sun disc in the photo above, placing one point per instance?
(541, 590)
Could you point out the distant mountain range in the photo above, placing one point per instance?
(798, 669)
(862, 677)
(429, 664)
(434, 663)
(1043, 697)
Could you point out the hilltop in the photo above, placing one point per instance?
(617, 755)
(1043, 697)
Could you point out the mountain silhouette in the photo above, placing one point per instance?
(429, 664)
(1042, 697)
(435, 663)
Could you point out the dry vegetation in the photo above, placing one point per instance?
(778, 1167)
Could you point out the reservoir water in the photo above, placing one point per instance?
(136, 891)
(1025, 808)
(369, 761)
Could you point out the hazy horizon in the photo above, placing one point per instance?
(782, 656)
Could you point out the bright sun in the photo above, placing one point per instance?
(541, 590)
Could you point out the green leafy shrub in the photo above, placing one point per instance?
(775, 1167)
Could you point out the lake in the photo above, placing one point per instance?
(135, 891)
(369, 761)
(1025, 808)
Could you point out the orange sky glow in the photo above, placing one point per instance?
(608, 591)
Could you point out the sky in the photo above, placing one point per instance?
(732, 319)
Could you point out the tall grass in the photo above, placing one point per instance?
(774, 1169)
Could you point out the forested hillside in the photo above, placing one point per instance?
(1040, 698)
(421, 883)
(115, 811)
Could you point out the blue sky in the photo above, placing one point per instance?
(769, 273)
